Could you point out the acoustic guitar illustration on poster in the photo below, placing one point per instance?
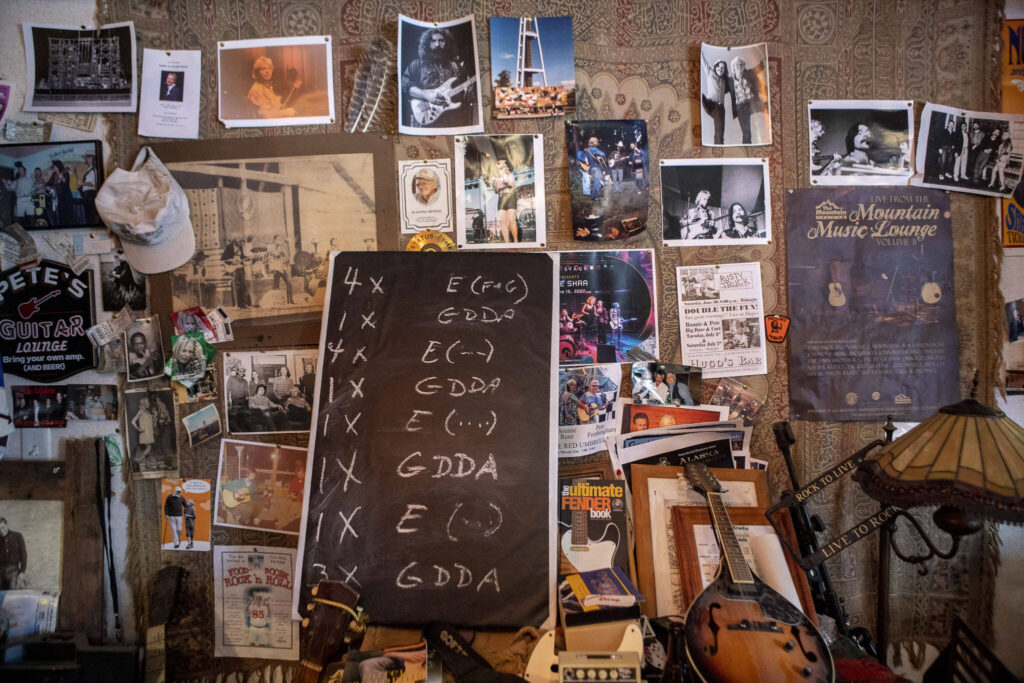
(739, 628)
(931, 292)
(425, 111)
(836, 296)
(584, 554)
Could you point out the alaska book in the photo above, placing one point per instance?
(592, 525)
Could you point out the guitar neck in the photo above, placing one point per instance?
(460, 88)
(579, 524)
(738, 568)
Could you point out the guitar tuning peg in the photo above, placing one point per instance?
(309, 607)
(305, 623)
(315, 590)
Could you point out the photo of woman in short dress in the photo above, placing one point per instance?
(504, 185)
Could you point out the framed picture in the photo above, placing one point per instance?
(265, 212)
(656, 489)
(51, 184)
(275, 82)
(689, 522)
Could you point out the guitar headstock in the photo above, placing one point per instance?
(331, 610)
(700, 477)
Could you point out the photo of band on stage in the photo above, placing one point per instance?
(607, 307)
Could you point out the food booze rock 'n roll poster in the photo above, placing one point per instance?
(871, 299)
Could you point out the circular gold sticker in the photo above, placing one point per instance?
(430, 240)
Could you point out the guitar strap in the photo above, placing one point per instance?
(465, 663)
(859, 531)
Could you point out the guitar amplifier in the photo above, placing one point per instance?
(599, 667)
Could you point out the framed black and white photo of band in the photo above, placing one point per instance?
(715, 202)
(969, 151)
(72, 68)
(266, 214)
(438, 77)
(861, 142)
(499, 196)
(735, 108)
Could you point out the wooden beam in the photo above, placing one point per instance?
(81, 598)
(32, 480)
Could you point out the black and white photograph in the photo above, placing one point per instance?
(699, 284)
(92, 402)
(715, 201)
(31, 537)
(666, 384)
(609, 178)
(438, 77)
(499, 198)
(265, 226)
(144, 351)
(51, 184)
(152, 439)
(735, 109)
(120, 284)
(425, 195)
(861, 142)
(275, 82)
(73, 68)
(202, 425)
(969, 151)
(269, 392)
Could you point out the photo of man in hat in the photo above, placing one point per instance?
(425, 187)
(174, 508)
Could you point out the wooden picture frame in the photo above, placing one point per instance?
(685, 518)
(257, 158)
(597, 469)
(73, 482)
(643, 475)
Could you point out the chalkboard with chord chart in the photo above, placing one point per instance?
(431, 461)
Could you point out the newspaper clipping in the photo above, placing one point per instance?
(253, 594)
(722, 318)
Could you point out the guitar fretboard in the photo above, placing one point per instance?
(579, 524)
(727, 540)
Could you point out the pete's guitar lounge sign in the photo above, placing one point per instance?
(44, 313)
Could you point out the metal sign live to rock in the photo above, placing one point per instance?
(44, 313)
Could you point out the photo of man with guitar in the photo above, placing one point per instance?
(438, 77)
(255, 486)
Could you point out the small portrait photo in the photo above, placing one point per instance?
(533, 67)
(735, 109)
(202, 425)
(741, 333)
(188, 357)
(121, 285)
(970, 151)
(275, 82)
(172, 84)
(609, 178)
(152, 442)
(31, 536)
(1015, 320)
(269, 392)
(193, 320)
(697, 284)
(861, 142)
(715, 202)
(438, 77)
(38, 406)
(499, 182)
(260, 486)
(185, 511)
(92, 402)
(144, 351)
(666, 384)
(425, 193)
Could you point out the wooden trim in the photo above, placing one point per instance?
(81, 599)
(35, 480)
(642, 517)
(685, 518)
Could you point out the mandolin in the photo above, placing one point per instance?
(739, 629)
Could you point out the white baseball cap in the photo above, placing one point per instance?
(148, 210)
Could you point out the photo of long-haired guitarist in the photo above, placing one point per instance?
(437, 88)
(739, 628)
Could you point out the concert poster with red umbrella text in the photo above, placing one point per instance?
(44, 313)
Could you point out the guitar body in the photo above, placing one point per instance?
(594, 555)
(426, 112)
(836, 297)
(931, 292)
(748, 632)
(235, 498)
(586, 414)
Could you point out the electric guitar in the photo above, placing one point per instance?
(738, 628)
(425, 112)
(618, 325)
(584, 554)
(931, 292)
